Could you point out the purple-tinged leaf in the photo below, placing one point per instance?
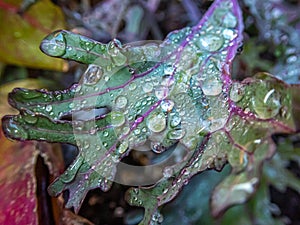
(174, 97)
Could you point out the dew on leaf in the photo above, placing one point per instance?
(132, 86)
(175, 121)
(137, 131)
(167, 105)
(117, 119)
(161, 92)
(147, 87)
(32, 119)
(167, 80)
(157, 147)
(27, 94)
(105, 133)
(266, 103)
(70, 173)
(123, 147)
(121, 102)
(229, 34)
(54, 44)
(225, 18)
(212, 86)
(156, 122)
(157, 218)
(92, 75)
(176, 134)
(168, 70)
(17, 132)
(211, 42)
(237, 92)
(48, 108)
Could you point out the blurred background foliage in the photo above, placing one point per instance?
(271, 44)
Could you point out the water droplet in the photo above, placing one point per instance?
(119, 59)
(126, 131)
(147, 87)
(156, 122)
(92, 75)
(167, 105)
(175, 121)
(69, 174)
(121, 102)
(211, 42)
(30, 118)
(266, 103)
(54, 44)
(137, 131)
(17, 131)
(132, 86)
(105, 133)
(167, 81)
(28, 94)
(161, 92)
(123, 147)
(113, 49)
(176, 134)
(168, 172)
(168, 69)
(117, 119)
(71, 105)
(237, 92)
(157, 218)
(229, 20)
(225, 18)
(212, 86)
(229, 34)
(48, 108)
(157, 147)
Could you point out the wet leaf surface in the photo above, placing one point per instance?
(174, 96)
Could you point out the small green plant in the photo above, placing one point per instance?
(175, 98)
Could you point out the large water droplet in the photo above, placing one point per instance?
(156, 122)
(54, 44)
(237, 92)
(211, 42)
(121, 102)
(117, 119)
(113, 49)
(92, 75)
(266, 103)
(212, 86)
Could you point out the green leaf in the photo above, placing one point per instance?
(174, 98)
